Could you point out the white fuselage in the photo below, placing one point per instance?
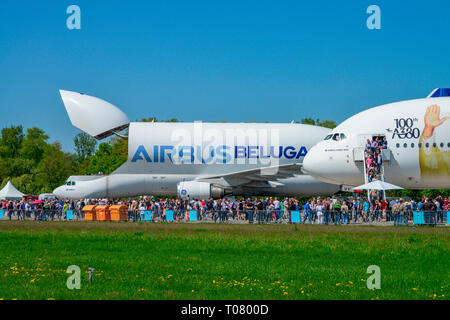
(418, 136)
(161, 155)
(132, 185)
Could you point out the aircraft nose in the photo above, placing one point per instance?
(58, 192)
(312, 163)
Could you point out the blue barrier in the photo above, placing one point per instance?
(192, 215)
(1, 214)
(448, 217)
(169, 215)
(147, 215)
(69, 215)
(419, 217)
(295, 217)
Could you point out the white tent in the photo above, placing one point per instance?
(377, 185)
(9, 192)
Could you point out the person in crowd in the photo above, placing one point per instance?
(286, 206)
(368, 145)
(344, 213)
(307, 212)
(319, 212)
(259, 209)
(396, 212)
(365, 213)
(250, 206)
(337, 212)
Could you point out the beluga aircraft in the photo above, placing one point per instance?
(417, 156)
(195, 160)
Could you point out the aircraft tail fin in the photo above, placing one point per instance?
(439, 92)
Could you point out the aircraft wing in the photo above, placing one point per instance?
(259, 177)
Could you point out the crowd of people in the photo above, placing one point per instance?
(374, 157)
(252, 210)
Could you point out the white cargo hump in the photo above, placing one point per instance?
(92, 115)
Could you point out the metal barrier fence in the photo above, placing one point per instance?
(247, 216)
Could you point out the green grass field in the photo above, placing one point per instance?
(212, 261)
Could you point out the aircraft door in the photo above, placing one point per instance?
(362, 140)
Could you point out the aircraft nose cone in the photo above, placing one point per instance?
(58, 192)
(312, 162)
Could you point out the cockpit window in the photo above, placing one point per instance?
(336, 137)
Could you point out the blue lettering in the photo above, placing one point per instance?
(189, 150)
(223, 152)
(240, 152)
(279, 153)
(198, 153)
(226, 156)
(211, 155)
(137, 156)
(162, 150)
(252, 150)
(155, 153)
(262, 156)
(301, 153)
(290, 155)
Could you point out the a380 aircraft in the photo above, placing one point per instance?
(195, 160)
(418, 136)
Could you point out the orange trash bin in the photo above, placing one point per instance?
(103, 213)
(119, 213)
(89, 213)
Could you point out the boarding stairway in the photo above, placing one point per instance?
(360, 154)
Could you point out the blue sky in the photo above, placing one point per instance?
(241, 60)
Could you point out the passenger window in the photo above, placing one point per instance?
(73, 183)
(405, 145)
(442, 144)
(420, 145)
(412, 145)
(343, 136)
(427, 144)
(434, 145)
(398, 145)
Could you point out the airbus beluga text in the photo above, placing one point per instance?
(418, 145)
(195, 160)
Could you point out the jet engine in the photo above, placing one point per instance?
(198, 190)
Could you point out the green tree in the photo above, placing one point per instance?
(33, 145)
(120, 147)
(84, 146)
(153, 119)
(18, 166)
(326, 123)
(310, 121)
(24, 183)
(54, 169)
(106, 159)
(11, 141)
(3, 169)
